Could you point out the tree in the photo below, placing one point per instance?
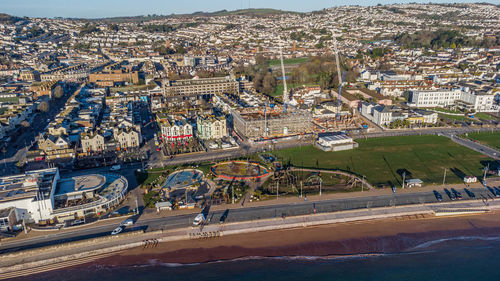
(269, 83)
(25, 124)
(180, 49)
(260, 60)
(114, 27)
(327, 80)
(43, 106)
(58, 92)
(258, 82)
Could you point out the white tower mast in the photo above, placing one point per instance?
(339, 102)
(285, 89)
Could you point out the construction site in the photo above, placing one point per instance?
(344, 120)
(262, 122)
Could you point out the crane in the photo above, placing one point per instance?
(339, 101)
(285, 89)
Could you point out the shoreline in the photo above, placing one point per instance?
(386, 230)
(384, 236)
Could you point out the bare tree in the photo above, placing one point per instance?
(43, 106)
(58, 92)
(269, 83)
(25, 124)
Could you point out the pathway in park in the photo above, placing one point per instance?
(342, 173)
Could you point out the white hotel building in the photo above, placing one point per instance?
(434, 98)
(462, 98)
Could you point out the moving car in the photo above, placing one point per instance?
(117, 230)
(77, 222)
(199, 219)
(224, 216)
(115, 168)
(497, 191)
(127, 222)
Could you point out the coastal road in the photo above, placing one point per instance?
(239, 214)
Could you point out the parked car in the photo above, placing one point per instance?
(438, 196)
(117, 230)
(457, 193)
(450, 194)
(470, 193)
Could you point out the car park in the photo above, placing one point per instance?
(117, 230)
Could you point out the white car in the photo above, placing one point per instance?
(117, 230)
(199, 219)
(115, 168)
(127, 222)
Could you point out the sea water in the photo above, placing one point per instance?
(462, 258)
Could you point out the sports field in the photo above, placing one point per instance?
(288, 61)
(384, 160)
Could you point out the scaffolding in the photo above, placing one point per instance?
(252, 123)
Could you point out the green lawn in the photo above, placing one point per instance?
(453, 117)
(383, 160)
(491, 139)
(484, 116)
(10, 100)
(447, 110)
(288, 61)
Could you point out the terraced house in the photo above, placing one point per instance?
(127, 137)
(211, 127)
(92, 142)
(175, 129)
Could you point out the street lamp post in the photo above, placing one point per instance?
(277, 188)
(320, 182)
(444, 176)
(300, 189)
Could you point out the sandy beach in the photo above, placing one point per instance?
(366, 237)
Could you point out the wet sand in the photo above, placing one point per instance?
(367, 237)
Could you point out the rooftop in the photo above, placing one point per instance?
(29, 185)
(80, 184)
